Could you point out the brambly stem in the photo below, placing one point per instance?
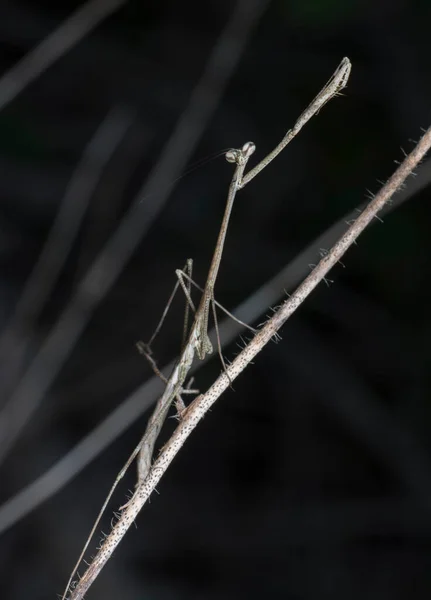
(198, 342)
(199, 407)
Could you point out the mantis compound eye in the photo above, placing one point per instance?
(248, 149)
(238, 156)
(232, 156)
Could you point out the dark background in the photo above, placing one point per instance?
(312, 479)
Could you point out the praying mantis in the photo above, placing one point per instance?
(197, 340)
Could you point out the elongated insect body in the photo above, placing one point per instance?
(197, 342)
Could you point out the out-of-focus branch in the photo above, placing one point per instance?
(57, 43)
(16, 338)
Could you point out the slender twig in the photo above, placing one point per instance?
(55, 45)
(134, 406)
(16, 337)
(203, 403)
(198, 341)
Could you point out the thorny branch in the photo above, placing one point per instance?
(198, 341)
(197, 409)
(203, 403)
(115, 423)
